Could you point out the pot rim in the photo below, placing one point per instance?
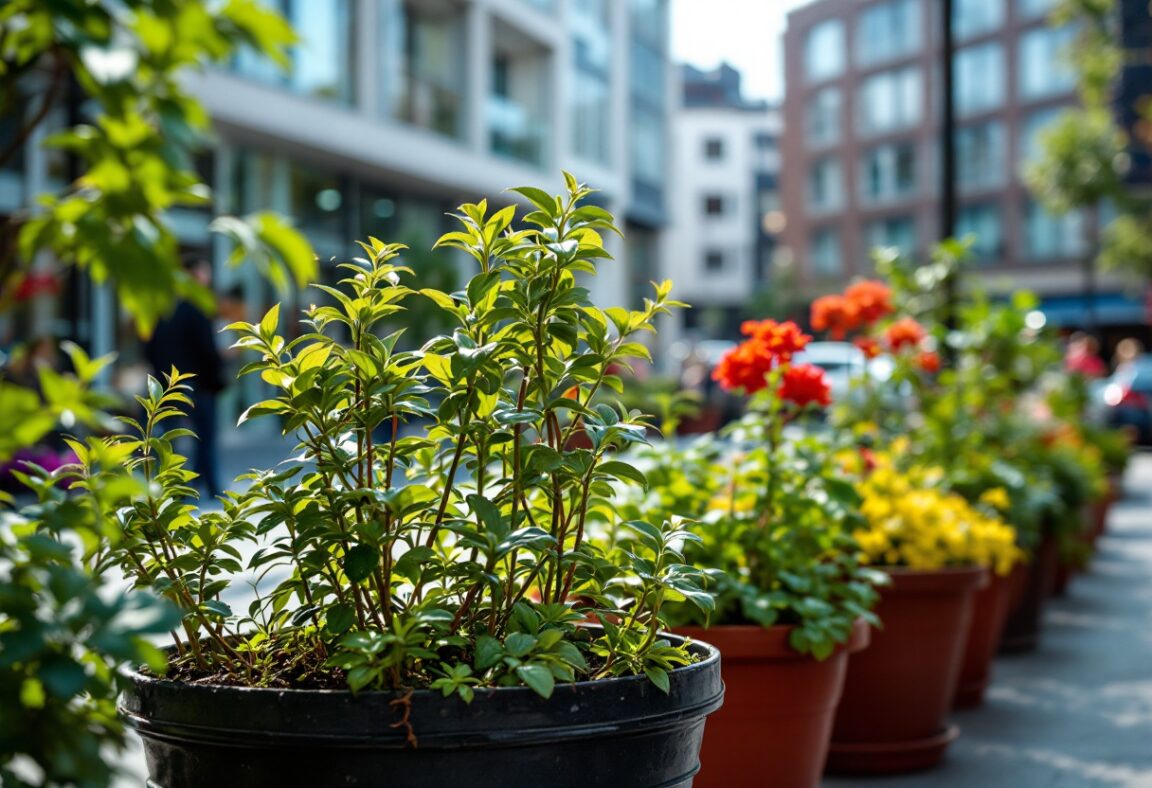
(948, 579)
(710, 655)
(755, 642)
(233, 716)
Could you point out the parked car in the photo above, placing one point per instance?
(842, 362)
(1125, 398)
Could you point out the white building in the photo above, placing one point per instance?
(725, 208)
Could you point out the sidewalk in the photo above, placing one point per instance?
(1078, 711)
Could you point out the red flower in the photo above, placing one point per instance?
(804, 384)
(869, 458)
(928, 361)
(869, 346)
(873, 300)
(780, 340)
(904, 332)
(744, 367)
(836, 314)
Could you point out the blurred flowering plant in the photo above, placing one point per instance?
(773, 517)
(912, 519)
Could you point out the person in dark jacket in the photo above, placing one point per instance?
(186, 340)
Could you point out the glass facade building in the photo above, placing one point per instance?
(392, 112)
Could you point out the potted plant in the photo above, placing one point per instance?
(792, 599)
(935, 546)
(429, 615)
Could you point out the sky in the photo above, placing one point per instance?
(746, 33)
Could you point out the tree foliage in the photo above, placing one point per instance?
(1085, 151)
(116, 68)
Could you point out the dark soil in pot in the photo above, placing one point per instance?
(621, 731)
(892, 714)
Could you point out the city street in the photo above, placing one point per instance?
(1076, 713)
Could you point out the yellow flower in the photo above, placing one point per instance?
(997, 498)
(914, 522)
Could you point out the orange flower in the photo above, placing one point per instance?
(928, 361)
(836, 314)
(744, 367)
(780, 340)
(873, 300)
(869, 346)
(904, 332)
(804, 384)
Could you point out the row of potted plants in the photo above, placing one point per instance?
(530, 584)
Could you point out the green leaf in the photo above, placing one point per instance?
(538, 197)
(539, 678)
(659, 677)
(488, 652)
(216, 607)
(340, 618)
(623, 470)
(519, 644)
(360, 562)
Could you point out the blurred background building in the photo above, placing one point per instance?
(862, 147)
(395, 111)
(725, 208)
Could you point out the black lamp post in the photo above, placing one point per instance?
(948, 153)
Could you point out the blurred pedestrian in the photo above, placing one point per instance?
(186, 340)
(1127, 351)
(1083, 356)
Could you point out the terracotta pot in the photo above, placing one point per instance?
(989, 614)
(896, 695)
(1022, 630)
(1101, 507)
(777, 716)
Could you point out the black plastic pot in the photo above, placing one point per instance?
(612, 732)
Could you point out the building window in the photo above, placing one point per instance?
(319, 202)
(824, 50)
(824, 255)
(517, 111)
(713, 261)
(1044, 69)
(887, 31)
(980, 159)
(423, 67)
(982, 221)
(979, 78)
(590, 113)
(1032, 131)
(1049, 235)
(822, 116)
(764, 141)
(714, 205)
(888, 172)
(713, 149)
(898, 233)
(1027, 9)
(589, 110)
(973, 17)
(825, 185)
(890, 101)
(321, 64)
